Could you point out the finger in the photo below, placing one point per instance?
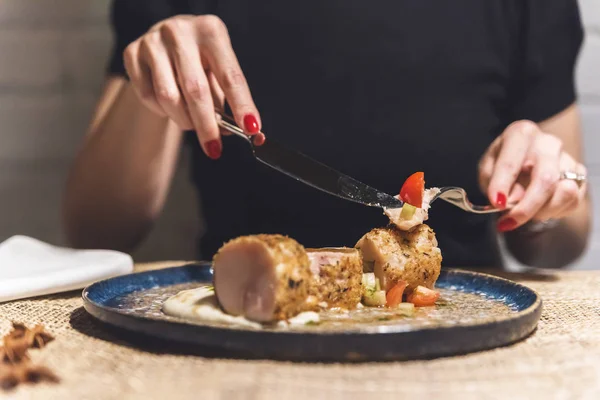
(218, 98)
(569, 194)
(516, 195)
(215, 90)
(568, 163)
(544, 179)
(516, 141)
(166, 90)
(216, 47)
(140, 77)
(486, 164)
(194, 86)
(582, 170)
(259, 139)
(563, 201)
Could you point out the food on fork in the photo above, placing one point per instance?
(409, 216)
(416, 200)
(412, 189)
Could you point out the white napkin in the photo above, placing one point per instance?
(29, 267)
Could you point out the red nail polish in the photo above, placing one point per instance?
(505, 225)
(501, 200)
(251, 124)
(213, 149)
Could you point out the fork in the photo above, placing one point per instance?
(458, 196)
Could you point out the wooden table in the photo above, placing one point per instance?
(561, 360)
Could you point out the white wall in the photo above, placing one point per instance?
(588, 82)
(52, 56)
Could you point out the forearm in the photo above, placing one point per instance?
(120, 178)
(556, 247)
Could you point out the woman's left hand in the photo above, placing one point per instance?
(523, 167)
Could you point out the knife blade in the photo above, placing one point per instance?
(311, 172)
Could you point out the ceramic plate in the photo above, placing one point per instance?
(475, 312)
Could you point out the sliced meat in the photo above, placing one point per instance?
(394, 255)
(262, 277)
(421, 214)
(336, 278)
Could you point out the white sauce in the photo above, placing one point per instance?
(300, 319)
(201, 304)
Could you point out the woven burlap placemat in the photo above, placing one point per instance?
(561, 360)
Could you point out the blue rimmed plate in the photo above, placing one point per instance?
(476, 312)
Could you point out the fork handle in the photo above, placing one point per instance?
(228, 123)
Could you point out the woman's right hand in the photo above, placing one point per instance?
(183, 68)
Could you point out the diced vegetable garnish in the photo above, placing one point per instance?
(408, 211)
(413, 189)
(369, 281)
(375, 298)
(372, 294)
(394, 295)
(423, 297)
(407, 309)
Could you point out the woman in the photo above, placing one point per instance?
(475, 94)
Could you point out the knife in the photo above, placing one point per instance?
(309, 171)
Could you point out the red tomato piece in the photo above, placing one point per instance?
(423, 297)
(394, 296)
(413, 189)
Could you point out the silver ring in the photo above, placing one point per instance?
(574, 176)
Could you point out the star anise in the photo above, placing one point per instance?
(24, 373)
(15, 366)
(37, 337)
(18, 330)
(20, 339)
(14, 350)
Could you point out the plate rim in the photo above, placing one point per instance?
(535, 307)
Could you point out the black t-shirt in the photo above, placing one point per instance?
(377, 90)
